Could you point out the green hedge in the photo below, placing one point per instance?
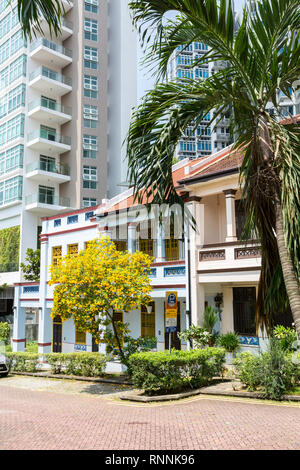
(23, 361)
(161, 372)
(81, 364)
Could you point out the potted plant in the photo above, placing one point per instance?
(231, 343)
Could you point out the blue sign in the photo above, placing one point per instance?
(80, 347)
(171, 329)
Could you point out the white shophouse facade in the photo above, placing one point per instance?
(209, 267)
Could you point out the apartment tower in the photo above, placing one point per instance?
(65, 106)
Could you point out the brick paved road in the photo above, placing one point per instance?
(32, 418)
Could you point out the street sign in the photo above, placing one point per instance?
(171, 312)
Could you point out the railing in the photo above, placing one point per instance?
(247, 253)
(44, 134)
(50, 45)
(51, 167)
(48, 199)
(213, 255)
(9, 267)
(48, 73)
(49, 104)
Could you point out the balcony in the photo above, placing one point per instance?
(66, 29)
(231, 261)
(49, 53)
(46, 204)
(49, 82)
(45, 172)
(48, 143)
(67, 5)
(49, 112)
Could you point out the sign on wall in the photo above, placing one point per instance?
(171, 311)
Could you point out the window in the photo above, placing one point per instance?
(3, 5)
(46, 195)
(89, 202)
(90, 86)
(17, 41)
(14, 18)
(73, 250)
(4, 25)
(91, 6)
(88, 215)
(121, 245)
(13, 158)
(90, 116)
(4, 78)
(90, 57)
(147, 246)
(91, 29)
(17, 68)
(80, 336)
(16, 97)
(148, 321)
(73, 219)
(15, 128)
(56, 255)
(90, 178)
(204, 145)
(11, 190)
(90, 146)
(57, 223)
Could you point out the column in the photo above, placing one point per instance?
(45, 321)
(161, 249)
(227, 323)
(131, 237)
(230, 215)
(19, 337)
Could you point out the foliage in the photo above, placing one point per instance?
(9, 245)
(273, 372)
(138, 345)
(100, 280)
(286, 336)
(230, 342)
(23, 361)
(4, 332)
(32, 347)
(81, 364)
(261, 57)
(210, 319)
(31, 270)
(199, 337)
(161, 372)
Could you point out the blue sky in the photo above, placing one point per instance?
(145, 80)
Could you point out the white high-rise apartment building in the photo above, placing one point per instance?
(65, 107)
(205, 139)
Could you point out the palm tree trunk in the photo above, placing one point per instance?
(290, 280)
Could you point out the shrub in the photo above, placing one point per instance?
(246, 366)
(230, 342)
(273, 372)
(161, 372)
(81, 364)
(32, 347)
(198, 336)
(286, 336)
(23, 361)
(4, 332)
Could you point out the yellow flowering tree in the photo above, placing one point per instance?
(97, 282)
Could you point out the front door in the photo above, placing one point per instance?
(244, 300)
(175, 341)
(57, 335)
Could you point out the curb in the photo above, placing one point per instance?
(202, 391)
(73, 377)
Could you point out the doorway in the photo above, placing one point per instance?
(57, 335)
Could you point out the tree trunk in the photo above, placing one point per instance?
(122, 357)
(290, 280)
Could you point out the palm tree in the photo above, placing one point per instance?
(263, 56)
(30, 13)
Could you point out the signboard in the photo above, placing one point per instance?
(80, 347)
(171, 312)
